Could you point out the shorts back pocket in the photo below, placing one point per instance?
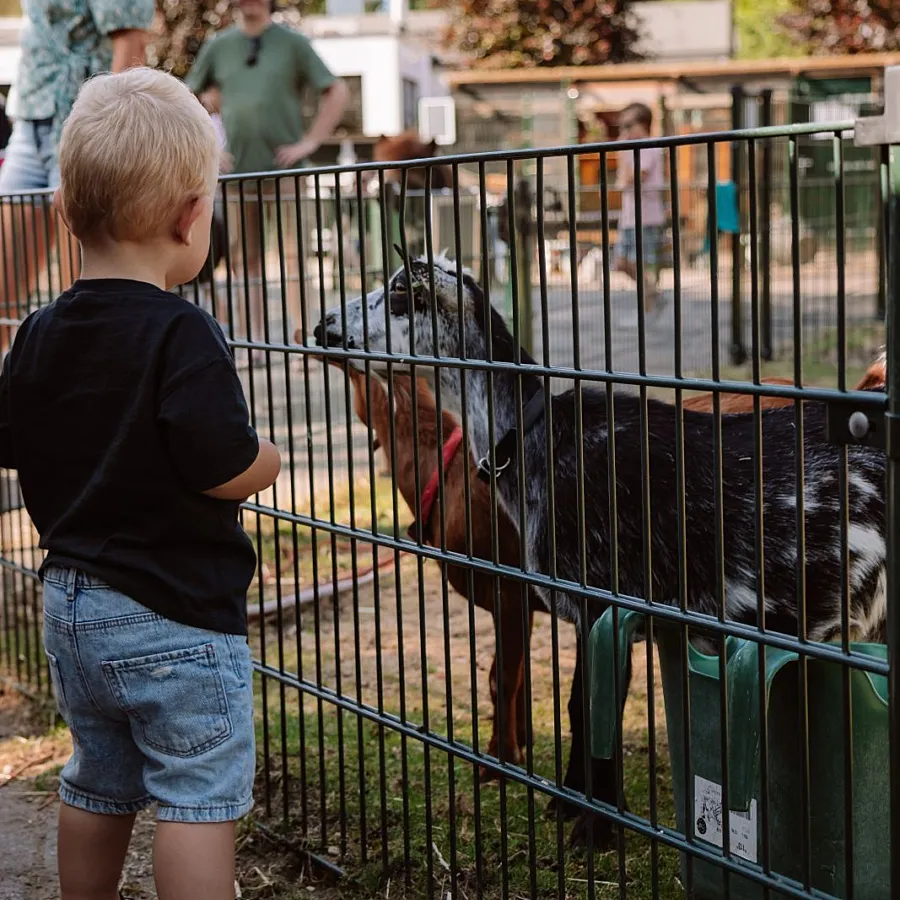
(177, 699)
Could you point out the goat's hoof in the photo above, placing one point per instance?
(604, 832)
(486, 774)
(569, 810)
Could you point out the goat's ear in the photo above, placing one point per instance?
(431, 147)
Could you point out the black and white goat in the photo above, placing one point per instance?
(707, 577)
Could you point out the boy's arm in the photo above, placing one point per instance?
(261, 473)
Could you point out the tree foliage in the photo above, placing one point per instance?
(528, 33)
(825, 27)
(759, 32)
(181, 27)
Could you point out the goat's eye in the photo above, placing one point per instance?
(399, 302)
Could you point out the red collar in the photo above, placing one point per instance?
(429, 495)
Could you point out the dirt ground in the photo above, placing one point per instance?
(32, 749)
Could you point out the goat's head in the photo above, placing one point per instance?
(417, 313)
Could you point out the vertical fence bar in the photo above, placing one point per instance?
(376, 594)
(525, 594)
(467, 494)
(581, 529)
(892, 511)
(765, 230)
(525, 251)
(738, 353)
(882, 194)
(837, 147)
(555, 805)
(276, 530)
(800, 480)
(678, 314)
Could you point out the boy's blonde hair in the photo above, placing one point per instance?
(135, 147)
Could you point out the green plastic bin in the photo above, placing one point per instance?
(702, 796)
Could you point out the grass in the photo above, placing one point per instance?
(419, 797)
(328, 767)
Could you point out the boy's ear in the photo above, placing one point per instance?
(187, 216)
(58, 206)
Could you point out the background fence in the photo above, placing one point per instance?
(375, 677)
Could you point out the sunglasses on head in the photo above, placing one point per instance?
(253, 55)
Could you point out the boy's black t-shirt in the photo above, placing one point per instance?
(119, 406)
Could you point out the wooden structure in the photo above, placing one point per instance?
(687, 97)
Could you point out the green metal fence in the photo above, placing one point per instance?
(413, 686)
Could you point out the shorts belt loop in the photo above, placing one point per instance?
(71, 584)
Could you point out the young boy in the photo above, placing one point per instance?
(121, 408)
(636, 122)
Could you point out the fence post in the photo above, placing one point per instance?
(738, 354)
(881, 242)
(882, 131)
(765, 230)
(523, 238)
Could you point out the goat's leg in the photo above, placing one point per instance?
(504, 740)
(521, 709)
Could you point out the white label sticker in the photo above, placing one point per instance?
(708, 820)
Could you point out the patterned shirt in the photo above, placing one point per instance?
(63, 43)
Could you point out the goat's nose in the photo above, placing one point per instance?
(321, 331)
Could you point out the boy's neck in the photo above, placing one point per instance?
(129, 261)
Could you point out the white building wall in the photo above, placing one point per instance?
(419, 67)
(383, 61)
(377, 60)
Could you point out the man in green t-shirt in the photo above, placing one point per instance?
(256, 73)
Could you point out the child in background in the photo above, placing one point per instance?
(636, 122)
(121, 409)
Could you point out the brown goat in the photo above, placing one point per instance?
(509, 745)
(409, 146)
(874, 378)
(739, 403)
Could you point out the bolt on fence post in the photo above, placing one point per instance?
(524, 247)
(738, 354)
(883, 131)
(765, 230)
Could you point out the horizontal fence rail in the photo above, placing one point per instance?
(537, 614)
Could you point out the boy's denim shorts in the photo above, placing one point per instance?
(159, 711)
(626, 246)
